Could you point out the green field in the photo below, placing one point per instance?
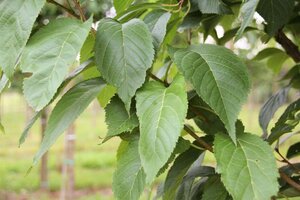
(94, 163)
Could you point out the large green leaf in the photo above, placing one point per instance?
(69, 107)
(161, 112)
(248, 169)
(214, 7)
(287, 121)
(121, 5)
(16, 21)
(124, 52)
(177, 172)
(218, 76)
(157, 21)
(118, 119)
(129, 177)
(48, 55)
(214, 189)
(276, 13)
(246, 15)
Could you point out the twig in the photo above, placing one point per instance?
(198, 139)
(287, 161)
(290, 48)
(64, 8)
(290, 181)
(157, 79)
(79, 8)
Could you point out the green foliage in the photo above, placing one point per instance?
(276, 13)
(251, 165)
(287, 122)
(120, 58)
(118, 119)
(129, 178)
(16, 22)
(50, 71)
(67, 110)
(156, 80)
(161, 112)
(219, 78)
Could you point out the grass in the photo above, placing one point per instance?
(94, 163)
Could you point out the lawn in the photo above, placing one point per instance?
(94, 163)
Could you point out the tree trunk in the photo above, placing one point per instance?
(44, 161)
(67, 191)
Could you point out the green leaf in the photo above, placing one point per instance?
(161, 112)
(28, 127)
(106, 94)
(118, 119)
(129, 177)
(214, 189)
(248, 169)
(214, 7)
(276, 13)
(268, 52)
(48, 55)
(246, 15)
(287, 121)
(204, 117)
(157, 21)
(2, 130)
(122, 5)
(270, 107)
(68, 108)
(16, 21)
(293, 151)
(124, 52)
(218, 76)
(177, 172)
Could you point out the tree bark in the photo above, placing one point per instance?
(44, 160)
(68, 172)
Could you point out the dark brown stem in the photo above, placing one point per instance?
(79, 8)
(288, 45)
(157, 79)
(198, 139)
(64, 8)
(287, 161)
(290, 181)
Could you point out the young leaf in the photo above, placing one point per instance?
(129, 177)
(287, 121)
(248, 170)
(214, 7)
(270, 107)
(177, 172)
(161, 112)
(124, 52)
(246, 15)
(16, 21)
(276, 13)
(218, 76)
(122, 5)
(214, 189)
(118, 119)
(48, 55)
(157, 21)
(69, 107)
(293, 151)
